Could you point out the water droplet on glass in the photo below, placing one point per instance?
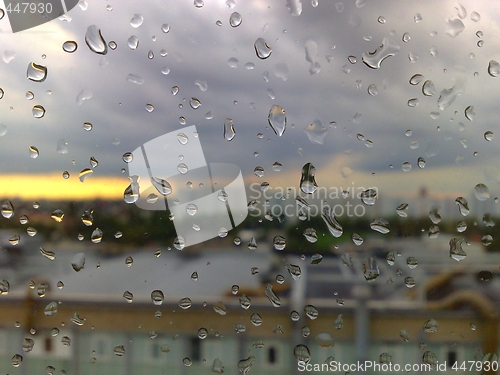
(332, 224)
(38, 111)
(413, 102)
(50, 310)
(28, 345)
(245, 302)
(96, 236)
(33, 152)
(233, 62)
(494, 68)
(481, 192)
(463, 206)
(277, 119)
(262, 50)
(229, 132)
(279, 242)
(195, 103)
(7, 209)
(370, 269)
(162, 186)
(431, 326)
(235, 19)
(456, 251)
(454, 27)
(129, 297)
(369, 196)
(273, 298)
(179, 243)
(372, 90)
(469, 113)
(36, 73)
(16, 360)
(475, 17)
(95, 41)
(294, 271)
(380, 225)
(112, 44)
(219, 308)
(133, 42)
(416, 79)
(157, 297)
(421, 162)
(387, 49)
(310, 235)
(311, 312)
(302, 353)
(244, 365)
(50, 255)
(136, 21)
(316, 132)
(78, 262)
(428, 89)
(307, 181)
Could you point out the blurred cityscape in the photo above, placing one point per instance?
(92, 287)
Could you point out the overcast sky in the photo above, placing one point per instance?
(199, 49)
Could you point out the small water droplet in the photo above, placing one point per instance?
(380, 225)
(235, 19)
(431, 326)
(456, 251)
(463, 206)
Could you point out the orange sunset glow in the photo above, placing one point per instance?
(54, 186)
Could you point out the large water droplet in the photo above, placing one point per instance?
(7, 209)
(245, 364)
(95, 41)
(494, 68)
(50, 255)
(36, 73)
(85, 173)
(157, 297)
(370, 269)
(33, 152)
(229, 132)
(78, 262)
(277, 119)
(302, 353)
(136, 21)
(374, 59)
(463, 206)
(96, 236)
(454, 27)
(235, 19)
(469, 113)
(16, 360)
(481, 192)
(456, 251)
(307, 181)
(369, 196)
(428, 89)
(316, 132)
(38, 111)
(195, 103)
(262, 50)
(220, 308)
(273, 298)
(489, 136)
(69, 46)
(332, 224)
(162, 186)
(380, 225)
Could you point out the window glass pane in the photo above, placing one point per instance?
(256, 186)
